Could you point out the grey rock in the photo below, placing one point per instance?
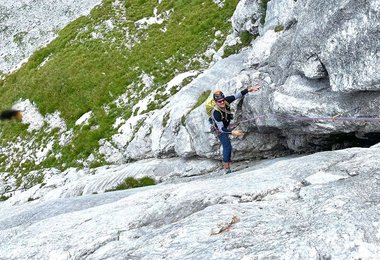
(262, 211)
(319, 91)
(245, 17)
(279, 13)
(300, 106)
(314, 69)
(307, 80)
(314, 107)
(342, 35)
(26, 26)
(76, 182)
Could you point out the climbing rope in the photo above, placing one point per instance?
(304, 118)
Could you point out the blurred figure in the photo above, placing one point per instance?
(11, 114)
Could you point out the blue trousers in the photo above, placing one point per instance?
(227, 147)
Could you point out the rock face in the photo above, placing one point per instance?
(77, 182)
(322, 69)
(316, 65)
(334, 40)
(27, 25)
(319, 86)
(319, 91)
(318, 206)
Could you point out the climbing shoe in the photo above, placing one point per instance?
(228, 171)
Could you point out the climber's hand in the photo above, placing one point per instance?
(254, 89)
(237, 133)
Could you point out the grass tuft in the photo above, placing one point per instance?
(263, 4)
(3, 198)
(130, 183)
(279, 28)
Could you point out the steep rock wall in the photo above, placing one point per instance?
(314, 67)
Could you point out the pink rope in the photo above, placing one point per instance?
(304, 118)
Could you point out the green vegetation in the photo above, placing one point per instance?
(183, 120)
(137, 127)
(27, 181)
(279, 28)
(245, 39)
(3, 198)
(19, 37)
(90, 64)
(230, 50)
(166, 119)
(201, 99)
(130, 183)
(32, 199)
(263, 10)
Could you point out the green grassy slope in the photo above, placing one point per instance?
(91, 63)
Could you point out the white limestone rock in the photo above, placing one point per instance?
(341, 35)
(314, 69)
(279, 13)
(75, 182)
(261, 48)
(212, 217)
(28, 25)
(245, 17)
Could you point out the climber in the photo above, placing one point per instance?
(221, 116)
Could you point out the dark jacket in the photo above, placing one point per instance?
(222, 118)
